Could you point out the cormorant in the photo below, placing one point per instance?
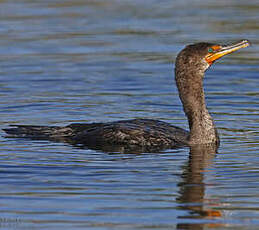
(147, 134)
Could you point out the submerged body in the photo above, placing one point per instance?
(144, 134)
(147, 134)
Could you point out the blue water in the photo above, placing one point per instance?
(92, 61)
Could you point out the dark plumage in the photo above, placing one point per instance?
(147, 134)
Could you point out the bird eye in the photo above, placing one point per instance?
(210, 50)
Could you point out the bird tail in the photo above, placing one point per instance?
(27, 131)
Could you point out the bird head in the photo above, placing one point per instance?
(200, 56)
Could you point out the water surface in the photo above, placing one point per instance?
(92, 61)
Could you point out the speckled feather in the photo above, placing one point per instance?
(145, 133)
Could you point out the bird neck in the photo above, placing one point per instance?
(191, 92)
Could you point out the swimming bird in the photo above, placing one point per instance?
(148, 134)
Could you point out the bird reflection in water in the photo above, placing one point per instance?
(192, 189)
